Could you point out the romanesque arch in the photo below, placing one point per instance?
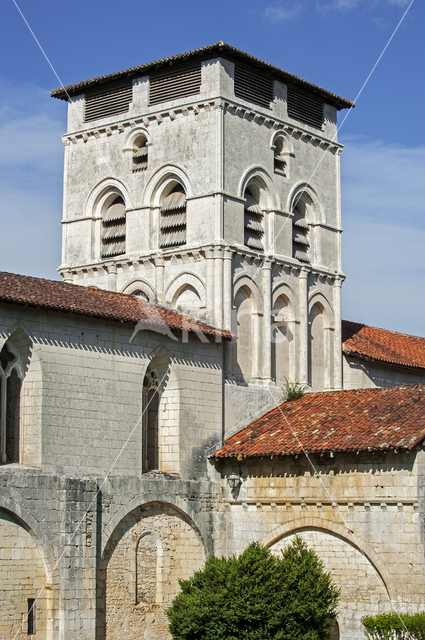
(150, 549)
(307, 214)
(29, 576)
(247, 301)
(320, 346)
(140, 287)
(284, 334)
(355, 570)
(187, 294)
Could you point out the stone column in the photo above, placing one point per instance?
(256, 376)
(227, 290)
(209, 257)
(267, 321)
(112, 277)
(218, 287)
(337, 335)
(159, 280)
(303, 326)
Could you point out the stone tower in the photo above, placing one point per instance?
(209, 182)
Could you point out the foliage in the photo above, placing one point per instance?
(392, 626)
(257, 596)
(293, 390)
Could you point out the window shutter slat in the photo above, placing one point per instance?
(252, 87)
(305, 109)
(175, 83)
(110, 102)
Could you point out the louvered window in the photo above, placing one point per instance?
(253, 223)
(300, 232)
(253, 87)
(173, 219)
(279, 161)
(110, 101)
(113, 229)
(174, 83)
(10, 404)
(140, 154)
(305, 108)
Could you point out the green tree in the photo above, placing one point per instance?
(257, 596)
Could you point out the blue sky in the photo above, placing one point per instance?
(332, 43)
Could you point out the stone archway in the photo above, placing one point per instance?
(150, 549)
(363, 591)
(25, 606)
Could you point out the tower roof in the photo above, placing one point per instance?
(219, 49)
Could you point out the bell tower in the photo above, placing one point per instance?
(209, 183)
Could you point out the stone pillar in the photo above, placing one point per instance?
(112, 277)
(218, 287)
(267, 321)
(227, 290)
(209, 257)
(337, 335)
(256, 376)
(159, 280)
(303, 326)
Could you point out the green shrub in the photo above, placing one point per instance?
(257, 596)
(293, 390)
(392, 626)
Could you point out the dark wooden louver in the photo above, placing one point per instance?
(253, 223)
(113, 229)
(305, 108)
(174, 83)
(253, 87)
(173, 219)
(109, 102)
(300, 241)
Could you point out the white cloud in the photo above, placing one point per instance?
(384, 235)
(345, 6)
(283, 12)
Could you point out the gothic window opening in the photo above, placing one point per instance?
(150, 440)
(113, 229)
(10, 403)
(280, 164)
(253, 222)
(140, 154)
(300, 233)
(173, 218)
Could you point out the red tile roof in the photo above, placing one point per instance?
(97, 303)
(383, 345)
(338, 421)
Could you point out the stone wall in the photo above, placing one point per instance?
(361, 513)
(361, 374)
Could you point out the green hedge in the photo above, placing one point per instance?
(391, 626)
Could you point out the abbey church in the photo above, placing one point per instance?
(144, 423)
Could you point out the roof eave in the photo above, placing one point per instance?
(64, 93)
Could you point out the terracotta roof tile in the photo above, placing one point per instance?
(340, 421)
(97, 303)
(383, 345)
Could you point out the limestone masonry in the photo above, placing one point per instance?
(141, 424)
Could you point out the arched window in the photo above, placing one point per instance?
(150, 440)
(300, 232)
(173, 218)
(113, 228)
(140, 154)
(253, 220)
(244, 307)
(10, 403)
(141, 295)
(280, 163)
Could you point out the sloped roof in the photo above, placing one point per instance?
(381, 344)
(339, 421)
(97, 303)
(218, 49)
